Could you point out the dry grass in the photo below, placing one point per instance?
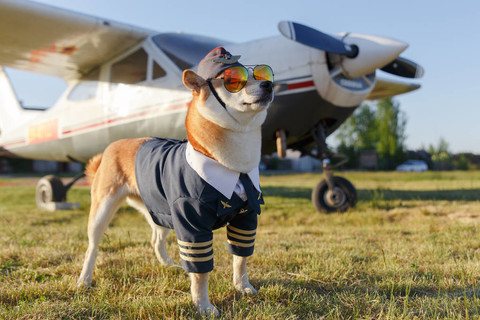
(410, 250)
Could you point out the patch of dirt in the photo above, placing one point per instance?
(454, 211)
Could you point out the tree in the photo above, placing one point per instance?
(440, 155)
(390, 130)
(461, 163)
(382, 130)
(359, 129)
(357, 133)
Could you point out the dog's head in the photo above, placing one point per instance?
(232, 95)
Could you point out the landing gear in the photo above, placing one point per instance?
(332, 194)
(281, 143)
(338, 199)
(51, 194)
(49, 189)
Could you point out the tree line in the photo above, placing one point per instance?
(380, 126)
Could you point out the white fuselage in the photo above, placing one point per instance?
(93, 113)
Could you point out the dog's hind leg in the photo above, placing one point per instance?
(158, 244)
(102, 209)
(159, 233)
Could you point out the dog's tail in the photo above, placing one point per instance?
(92, 166)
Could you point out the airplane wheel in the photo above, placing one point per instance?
(49, 189)
(342, 197)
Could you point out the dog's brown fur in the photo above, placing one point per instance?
(117, 162)
(200, 132)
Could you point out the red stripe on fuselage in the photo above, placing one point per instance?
(13, 143)
(301, 85)
(113, 120)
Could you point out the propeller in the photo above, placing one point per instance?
(364, 53)
(404, 68)
(316, 39)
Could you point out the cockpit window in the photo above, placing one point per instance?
(186, 50)
(86, 89)
(131, 69)
(158, 71)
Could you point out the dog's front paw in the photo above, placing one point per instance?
(83, 284)
(246, 288)
(207, 309)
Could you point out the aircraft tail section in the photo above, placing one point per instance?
(12, 115)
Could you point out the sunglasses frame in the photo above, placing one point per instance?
(247, 67)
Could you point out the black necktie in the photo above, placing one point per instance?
(251, 192)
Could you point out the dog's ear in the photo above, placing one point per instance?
(193, 81)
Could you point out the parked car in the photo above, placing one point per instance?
(413, 165)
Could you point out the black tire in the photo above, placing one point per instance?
(344, 198)
(49, 189)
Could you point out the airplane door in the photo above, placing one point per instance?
(84, 118)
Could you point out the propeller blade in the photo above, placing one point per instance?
(404, 68)
(316, 39)
(370, 52)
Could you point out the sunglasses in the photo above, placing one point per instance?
(236, 77)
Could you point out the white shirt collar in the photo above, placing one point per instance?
(218, 176)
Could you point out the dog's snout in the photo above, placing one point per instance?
(267, 85)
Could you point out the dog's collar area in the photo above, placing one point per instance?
(215, 94)
(223, 179)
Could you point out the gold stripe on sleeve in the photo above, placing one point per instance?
(241, 244)
(195, 244)
(196, 251)
(236, 236)
(196, 259)
(245, 232)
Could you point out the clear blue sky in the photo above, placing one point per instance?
(443, 37)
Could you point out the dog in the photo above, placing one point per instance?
(197, 185)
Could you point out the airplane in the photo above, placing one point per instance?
(126, 82)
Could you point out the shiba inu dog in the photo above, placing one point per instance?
(193, 186)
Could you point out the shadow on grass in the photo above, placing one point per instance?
(380, 194)
(287, 192)
(449, 195)
(350, 298)
(60, 220)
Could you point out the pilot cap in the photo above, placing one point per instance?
(215, 62)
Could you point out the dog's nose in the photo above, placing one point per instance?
(267, 85)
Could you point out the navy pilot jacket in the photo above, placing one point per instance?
(178, 198)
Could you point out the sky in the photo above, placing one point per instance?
(443, 38)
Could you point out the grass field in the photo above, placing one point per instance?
(409, 250)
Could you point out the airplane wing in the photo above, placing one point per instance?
(388, 88)
(53, 41)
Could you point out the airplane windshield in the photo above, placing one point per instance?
(131, 69)
(186, 50)
(86, 89)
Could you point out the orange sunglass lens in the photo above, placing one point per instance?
(235, 78)
(263, 72)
